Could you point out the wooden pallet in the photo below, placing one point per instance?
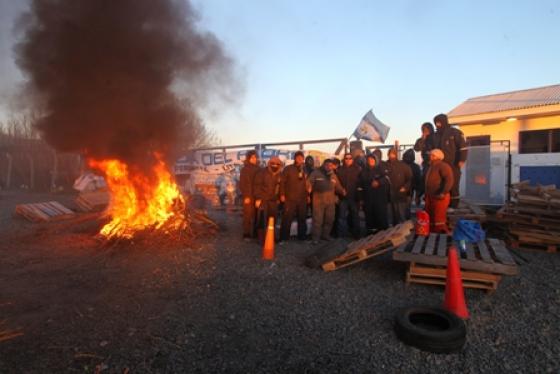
(527, 219)
(437, 275)
(533, 245)
(42, 212)
(371, 246)
(327, 252)
(549, 212)
(93, 201)
(466, 211)
(490, 256)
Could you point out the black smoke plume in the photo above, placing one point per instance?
(120, 78)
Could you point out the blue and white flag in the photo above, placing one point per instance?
(370, 128)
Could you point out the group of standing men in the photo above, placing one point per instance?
(384, 189)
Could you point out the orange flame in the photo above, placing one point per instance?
(139, 202)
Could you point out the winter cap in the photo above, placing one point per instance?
(429, 126)
(298, 153)
(250, 154)
(275, 160)
(392, 150)
(442, 119)
(437, 153)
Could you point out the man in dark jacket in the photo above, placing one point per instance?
(400, 176)
(416, 187)
(267, 191)
(374, 182)
(439, 181)
(349, 176)
(293, 193)
(246, 183)
(451, 142)
(324, 185)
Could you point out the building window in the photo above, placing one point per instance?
(555, 143)
(539, 141)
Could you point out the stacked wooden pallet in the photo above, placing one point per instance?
(465, 211)
(482, 265)
(370, 246)
(93, 201)
(42, 212)
(532, 217)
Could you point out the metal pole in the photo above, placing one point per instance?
(31, 172)
(9, 171)
(54, 174)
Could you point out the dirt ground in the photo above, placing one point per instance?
(215, 306)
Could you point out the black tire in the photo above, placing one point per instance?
(431, 329)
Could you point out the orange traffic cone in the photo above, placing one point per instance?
(268, 248)
(454, 293)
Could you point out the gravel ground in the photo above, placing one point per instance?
(217, 307)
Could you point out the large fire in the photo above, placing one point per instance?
(140, 202)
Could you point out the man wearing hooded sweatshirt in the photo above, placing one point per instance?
(324, 185)
(451, 142)
(416, 187)
(439, 181)
(400, 176)
(293, 193)
(267, 191)
(374, 182)
(246, 183)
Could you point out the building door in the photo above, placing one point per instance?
(478, 169)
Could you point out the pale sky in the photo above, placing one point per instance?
(313, 68)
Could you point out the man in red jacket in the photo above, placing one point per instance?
(439, 181)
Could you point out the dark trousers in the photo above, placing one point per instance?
(266, 210)
(249, 215)
(348, 213)
(376, 214)
(294, 209)
(455, 189)
(398, 211)
(323, 218)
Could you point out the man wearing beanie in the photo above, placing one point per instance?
(451, 142)
(293, 193)
(439, 181)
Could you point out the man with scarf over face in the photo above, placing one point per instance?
(324, 185)
(246, 183)
(374, 182)
(451, 142)
(267, 191)
(400, 176)
(293, 193)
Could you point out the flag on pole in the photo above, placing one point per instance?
(371, 128)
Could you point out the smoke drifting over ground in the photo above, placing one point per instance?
(105, 73)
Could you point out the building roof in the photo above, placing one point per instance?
(524, 99)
